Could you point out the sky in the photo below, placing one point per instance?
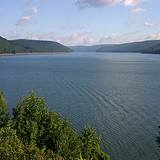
(80, 22)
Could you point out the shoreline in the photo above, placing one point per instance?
(34, 53)
(9, 54)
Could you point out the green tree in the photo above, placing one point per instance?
(49, 155)
(91, 145)
(3, 103)
(36, 125)
(4, 116)
(34, 153)
(61, 137)
(11, 148)
(13, 51)
(35, 133)
(27, 118)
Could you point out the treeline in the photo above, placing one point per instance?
(29, 46)
(32, 132)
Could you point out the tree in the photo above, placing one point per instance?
(91, 145)
(36, 133)
(4, 116)
(36, 125)
(61, 137)
(34, 153)
(27, 118)
(10, 146)
(3, 103)
(13, 51)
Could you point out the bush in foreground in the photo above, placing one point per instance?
(4, 116)
(35, 133)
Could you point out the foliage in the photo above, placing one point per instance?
(27, 118)
(40, 46)
(35, 125)
(3, 103)
(59, 136)
(10, 146)
(7, 47)
(4, 116)
(91, 145)
(22, 46)
(35, 133)
(34, 153)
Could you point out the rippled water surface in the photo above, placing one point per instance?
(118, 93)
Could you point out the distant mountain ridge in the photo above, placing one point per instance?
(28, 46)
(143, 46)
(154, 49)
(86, 48)
(150, 46)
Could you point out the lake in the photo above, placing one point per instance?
(117, 93)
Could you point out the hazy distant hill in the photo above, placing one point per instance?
(86, 48)
(155, 49)
(22, 45)
(129, 47)
(151, 46)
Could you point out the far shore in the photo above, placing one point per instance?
(34, 53)
(10, 54)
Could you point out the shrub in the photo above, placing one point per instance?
(4, 116)
(90, 145)
(11, 148)
(35, 133)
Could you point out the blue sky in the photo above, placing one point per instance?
(79, 22)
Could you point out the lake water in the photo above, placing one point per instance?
(117, 93)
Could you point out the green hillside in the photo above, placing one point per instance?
(40, 46)
(151, 46)
(129, 47)
(7, 47)
(155, 49)
(22, 46)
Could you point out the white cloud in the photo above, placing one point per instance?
(113, 38)
(77, 38)
(83, 38)
(152, 24)
(29, 35)
(34, 10)
(88, 38)
(155, 36)
(137, 10)
(23, 20)
(95, 3)
(101, 3)
(131, 2)
(149, 24)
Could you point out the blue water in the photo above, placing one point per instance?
(117, 93)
